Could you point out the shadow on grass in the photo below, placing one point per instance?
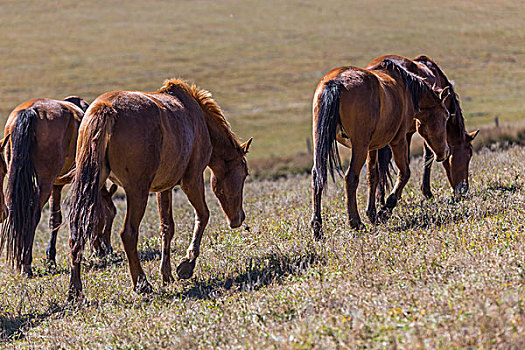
(258, 273)
(435, 214)
(119, 258)
(15, 327)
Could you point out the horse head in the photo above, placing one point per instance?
(431, 122)
(457, 165)
(227, 182)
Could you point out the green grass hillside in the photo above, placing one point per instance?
(437, 275)
(261, 59)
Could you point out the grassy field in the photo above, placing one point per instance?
(261, 59)
(437, 275)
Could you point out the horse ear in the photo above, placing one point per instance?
(245, 146)
(4, 141)
(472, 135)
(112, 190)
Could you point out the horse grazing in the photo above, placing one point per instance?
(366, 110)
(41, 136)
(459, 141)
(152, 142)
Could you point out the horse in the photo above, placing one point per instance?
(366, 110)
(40, 143)
(151, 142)
(458, 139)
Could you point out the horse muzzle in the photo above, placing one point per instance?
(445, 156)
(237, 222)
(461, 189)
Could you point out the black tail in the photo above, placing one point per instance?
(384, 164)
(326, 151)
(22, 190)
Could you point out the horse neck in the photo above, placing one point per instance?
(457, 121)
(223, 147)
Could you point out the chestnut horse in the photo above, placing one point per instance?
(366, 110)
(43, 136)
(459, 141)
(152, 142)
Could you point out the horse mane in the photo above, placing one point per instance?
(414, 84)
(458, 118)
(213, 113)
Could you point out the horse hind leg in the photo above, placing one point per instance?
(317, 194)
(27, 256)
(55, 221)
(373, 180)
(137, 199)
(359, 155)
(167, 228)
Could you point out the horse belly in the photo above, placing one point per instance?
(171, 168)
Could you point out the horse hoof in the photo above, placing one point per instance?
(317, 228)
(143, 287)
(372, 216)
(318, 233)
(357, 225)
(384, 215)
(185, 269)
(27, 272)
(74, 295)
(427, 193)
(51, 267)
(168, 278)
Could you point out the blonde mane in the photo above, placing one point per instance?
(212, 111)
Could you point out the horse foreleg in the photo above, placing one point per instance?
(400, 154)
(425, 181)
(373, 180)
(194, 189)
(167, 228)
(359, 155)
(317, 194)
(55, 221)
(136, 203)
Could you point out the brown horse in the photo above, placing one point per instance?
(42, 135)
(459, 141)
(152, 142)
(366, 110)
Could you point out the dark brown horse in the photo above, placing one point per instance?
(42, 135)
(459, 141)
(366, 110)
(152, 142)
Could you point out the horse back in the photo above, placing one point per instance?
(155, 138)
(54, 135)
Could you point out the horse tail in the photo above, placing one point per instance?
(90, 160)
(384, 165)
(22, 189)
(326, 151)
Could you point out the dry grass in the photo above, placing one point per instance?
(438, 275)
(261, 59)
